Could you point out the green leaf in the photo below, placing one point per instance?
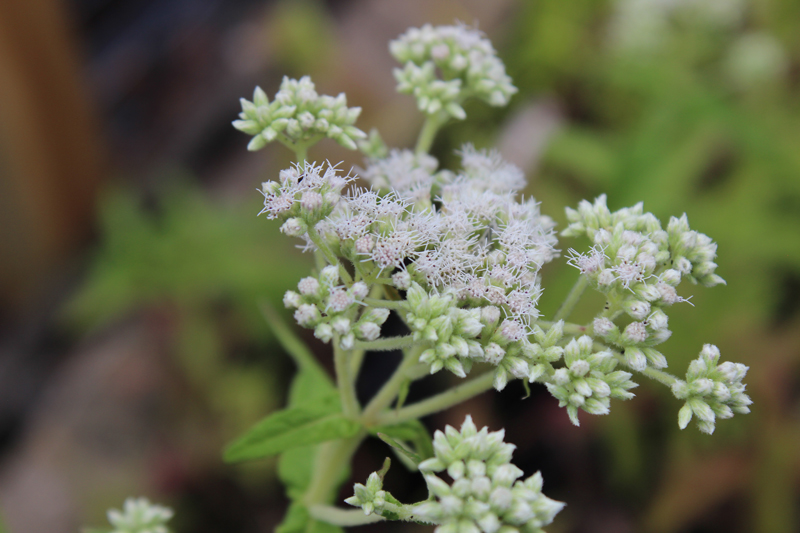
(411, 431)
(403, 393)
(412, 460)
(312, 422)
(293, 345)
(295, 465)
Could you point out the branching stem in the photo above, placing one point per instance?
(440, 401)
(386, 343)
(572, 298)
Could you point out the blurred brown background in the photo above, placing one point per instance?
(132, 263)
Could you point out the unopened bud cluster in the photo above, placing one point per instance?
(588, 380)
(297, 116)
(330, 309)
(443, 65)
(486, 494)
(451, 331)
(712, 390)
(140, 516)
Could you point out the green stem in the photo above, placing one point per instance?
(356, 358)
(665, 378)
(439, 402)
(288, 340)
(345, 383)
(391, 388)
(428, 132)
(333, 458)
(301, 153)
(343, 517)
(569, 328)
(321, 245)
(572, 298)
(386, 304)
(386, 343)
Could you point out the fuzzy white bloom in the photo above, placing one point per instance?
(304, 197)
(403, 171)
(140, 516)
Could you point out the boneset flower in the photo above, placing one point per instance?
(456, 255)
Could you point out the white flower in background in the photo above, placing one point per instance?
(140, 516)
(755, 59)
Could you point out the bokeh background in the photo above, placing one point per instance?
(132, 263)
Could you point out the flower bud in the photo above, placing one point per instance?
(294, 227)
(308, 286)
(605, 328)
(323, 332)
(307, 315)
(291, 300)
(329, 276)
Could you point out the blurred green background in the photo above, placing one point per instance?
(131, 344)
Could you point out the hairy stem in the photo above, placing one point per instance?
(343, 517)
(569, 328)
(331, 461)
(428, 132)
(662, 377)
(441, 401)
(346, 385)
(391, 388)
(386, 304)
(572, 298)
(386, 343)
(301, 153)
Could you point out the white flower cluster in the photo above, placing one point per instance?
(329, 308)
(588, 381)
(297, 116)
(477, 239)
(466, 60)
(638, 266)
(140, 516)
(303, 196)
(486, 494)
(711, 390)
